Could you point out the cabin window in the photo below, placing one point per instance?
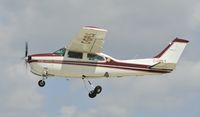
(77, 55)
(95, 57)
(60, 52)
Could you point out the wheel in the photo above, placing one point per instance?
(92, 94)
(41, 83)
(97, 89)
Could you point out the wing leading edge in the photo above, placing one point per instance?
(89, 40)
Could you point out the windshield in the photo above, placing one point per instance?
(60, 52)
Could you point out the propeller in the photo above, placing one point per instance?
(26, 57)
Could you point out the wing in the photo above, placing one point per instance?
(89, 39)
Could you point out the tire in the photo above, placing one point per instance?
(41, 83)
(97, 89)
(92, 94)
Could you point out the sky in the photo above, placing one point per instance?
(136, 29)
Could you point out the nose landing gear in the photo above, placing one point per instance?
(41, 83)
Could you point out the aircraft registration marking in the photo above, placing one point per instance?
(88, 38)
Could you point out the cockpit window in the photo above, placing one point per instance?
(60, 52)
(95, 57)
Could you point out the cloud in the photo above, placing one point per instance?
(68, 111)
(73, 111)
(19, 97)
(113, 111)
(127, 21)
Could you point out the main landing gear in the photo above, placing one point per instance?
(96, 90)
(93, 93)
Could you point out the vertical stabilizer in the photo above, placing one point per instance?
(171, 54)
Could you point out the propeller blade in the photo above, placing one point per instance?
(26, 49)
(25, 64)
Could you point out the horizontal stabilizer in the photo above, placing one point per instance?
(161, 65)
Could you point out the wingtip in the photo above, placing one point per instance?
(91, 27)
(180, 40)
(94, 28)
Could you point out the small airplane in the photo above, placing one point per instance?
(83, 58)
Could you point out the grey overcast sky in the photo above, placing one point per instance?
(136, 29)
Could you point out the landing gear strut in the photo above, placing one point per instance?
(41, 83)
(96, 90)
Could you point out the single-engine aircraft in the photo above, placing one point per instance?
(83, 58)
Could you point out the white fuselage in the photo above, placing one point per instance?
(65, 66)
(79, 64)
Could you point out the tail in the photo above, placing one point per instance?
(169, 57)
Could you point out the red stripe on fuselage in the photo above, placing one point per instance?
(113, 64)
(45, 54)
